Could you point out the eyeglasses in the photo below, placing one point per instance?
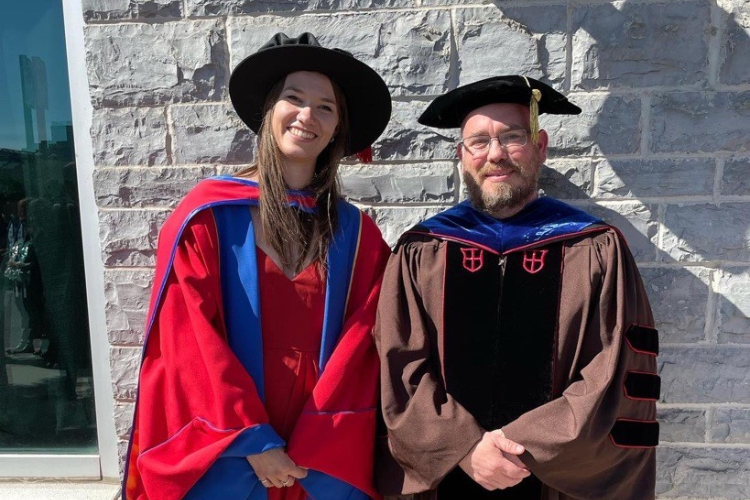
(477, 144)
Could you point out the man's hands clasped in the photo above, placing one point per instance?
(493, 462)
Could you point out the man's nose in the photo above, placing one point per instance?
(496, 152)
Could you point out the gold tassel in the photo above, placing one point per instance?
(536, 96)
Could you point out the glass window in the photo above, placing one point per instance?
(46, 390)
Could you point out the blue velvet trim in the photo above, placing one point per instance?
(234, 478)
(228, 478)
(542, 219)
(240, 288)
(341, 254)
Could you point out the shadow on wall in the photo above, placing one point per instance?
(650, 157)
(667, 163)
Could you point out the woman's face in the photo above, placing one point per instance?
(305, 118)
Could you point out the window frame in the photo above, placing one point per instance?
(104, 464)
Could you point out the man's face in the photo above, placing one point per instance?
(501, 179)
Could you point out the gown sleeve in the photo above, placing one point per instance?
(429, 432)
(196, 402)
(597, 439)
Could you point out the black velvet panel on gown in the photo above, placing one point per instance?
(500, 330)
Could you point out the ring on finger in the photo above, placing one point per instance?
(284, 483)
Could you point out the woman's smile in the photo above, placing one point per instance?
(302, 134)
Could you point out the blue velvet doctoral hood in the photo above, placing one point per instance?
(541, 220)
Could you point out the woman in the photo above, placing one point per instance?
(259, 375)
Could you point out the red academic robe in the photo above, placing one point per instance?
(200, 398)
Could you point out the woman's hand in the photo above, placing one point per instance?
(274, 468)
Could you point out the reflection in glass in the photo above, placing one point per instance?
(46, 392)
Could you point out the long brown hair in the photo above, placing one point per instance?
(285, 228)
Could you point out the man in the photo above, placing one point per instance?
(517, 343)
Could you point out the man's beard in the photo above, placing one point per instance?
(503, 197)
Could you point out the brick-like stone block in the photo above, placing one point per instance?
(145, 187)
(210, 133)
(394, 221)
(679, 297)
(521, 40)
(636, 44)
(693, 122)
(733, 290)
(462, 3)
(230, 169)
(567, 179)
(735, 42)
(122, 10)
(410, 50)
(636, 221)
(124, 364)
(127, 294)
(405, 139)
(655, 178)
(702, 473)
(705, 374)
(135, 136)
(731, 425)
(232, 7)
(148, 64)
(431, 182)
(736, 178)
(696, 233)
(128, 237)
(124, 418)
(608, 125)
(679, 425)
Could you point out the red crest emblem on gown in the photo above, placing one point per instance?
(473, 259)
(533, 261)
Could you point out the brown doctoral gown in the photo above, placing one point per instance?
(553, 342)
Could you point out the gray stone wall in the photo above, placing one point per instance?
(662, 150)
